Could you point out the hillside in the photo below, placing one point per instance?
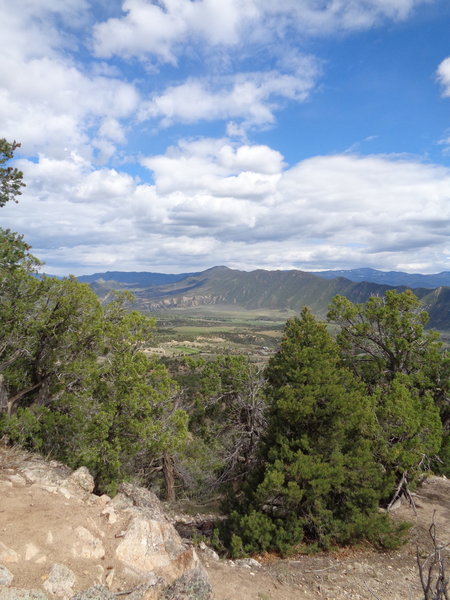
(261, 289)
(58, 539)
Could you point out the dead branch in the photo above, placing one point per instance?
(432, 571)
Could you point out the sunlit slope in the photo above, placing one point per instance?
(261, 289)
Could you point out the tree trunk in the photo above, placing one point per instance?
(3, 396)
(169, 476)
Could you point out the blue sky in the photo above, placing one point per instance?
(175, 135)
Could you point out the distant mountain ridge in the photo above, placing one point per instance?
(394, 278)
(391, 278)
(259, 289)
(135, 278)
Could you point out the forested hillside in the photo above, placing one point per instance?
(303, 450)
(261, 289)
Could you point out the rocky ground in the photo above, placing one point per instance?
(358, 573)
(49, 517)
(60, 540)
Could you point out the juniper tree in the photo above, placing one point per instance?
(318, 480)
(406, 371)
(74, 382)
(226, 407)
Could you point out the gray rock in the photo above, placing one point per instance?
(145, 500)
(154, 546)
(250, 563)
(20, 594)
(60, 581)
(96, 592)
(193, 585)
(79, 484)
(45, 475)
(83, 479)
(6, 576)
(141, 591)
(208, 552)
(17, 479)
(87, 545)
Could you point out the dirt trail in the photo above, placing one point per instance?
(351, 573)
(40, 525)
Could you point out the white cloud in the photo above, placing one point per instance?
(252, 97)
(159, 28)
(443, 75)
(211, 200)
(318, 18)
(155, 28)
(47, 100)
(205, 165)
(215, 202)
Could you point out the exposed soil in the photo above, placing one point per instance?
(39, 525)
(350, 573)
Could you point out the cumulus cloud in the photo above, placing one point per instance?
(252, 97)
(214, 201)
(247, 171)
(205, 201)
(443, 75)
(159, 28)
(47, 100)
(155, 28)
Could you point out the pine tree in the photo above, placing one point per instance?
(10, 177)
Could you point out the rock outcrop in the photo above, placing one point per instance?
(59, 540)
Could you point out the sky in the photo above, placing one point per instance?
(176, 135)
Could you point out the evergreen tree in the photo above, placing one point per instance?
(318, 479)
(10, 177)
(74, 382)
(406, 371)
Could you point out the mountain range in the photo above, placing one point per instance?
(262, 289)
(394, 278)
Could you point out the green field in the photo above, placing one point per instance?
(212, 330)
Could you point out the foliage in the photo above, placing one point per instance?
(10, 177)
(385, 335)
(318, 478)
(410, 430)
(384, 342)
(224, 400)
(74, 382)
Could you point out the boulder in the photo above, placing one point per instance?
(249, 563)
(60, 581)
(147, 502)
(96, 592)
(6, 576)
(193, 585)
(154, 546)
(79, 484)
